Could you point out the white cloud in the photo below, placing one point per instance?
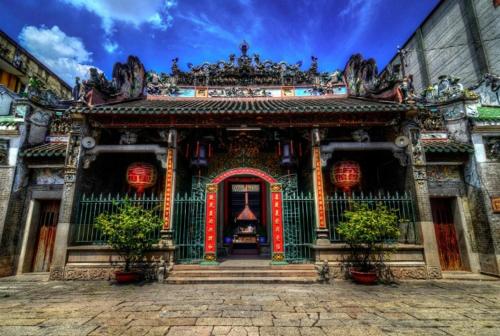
(132, 12)
(357, 14)
(63, 54)
(204, 24)
(110, 46)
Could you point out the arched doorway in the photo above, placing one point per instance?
(212, 217)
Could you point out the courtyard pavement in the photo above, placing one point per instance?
(340, 308)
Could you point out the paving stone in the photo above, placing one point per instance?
(157, 331)
(92, 308)
(190, 331)
(279, 331)
(224, 321)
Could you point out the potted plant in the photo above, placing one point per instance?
(369, 232)
(129, 231)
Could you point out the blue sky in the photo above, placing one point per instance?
(71, 35)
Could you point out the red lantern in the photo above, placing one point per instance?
(141, 176)
(346, 174)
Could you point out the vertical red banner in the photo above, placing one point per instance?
(211, 223)
(320, 197)
(169, 178)
(277, 220)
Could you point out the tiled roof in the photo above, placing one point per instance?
(488, 113)
(55, 150)
(244, 106)
(9, 122)
(440, 146)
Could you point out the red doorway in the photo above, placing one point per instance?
(212, 215)
(446, 235)
(241, 193)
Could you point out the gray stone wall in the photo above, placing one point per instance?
(490, 177)
(447, 43)
(12, 232)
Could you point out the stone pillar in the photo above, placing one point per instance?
(71, 168)
(169, 191)
(322, 234)
(425, 225)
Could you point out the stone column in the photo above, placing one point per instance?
(169, 191)
(322, 234)
(71, 168)
(425, 225)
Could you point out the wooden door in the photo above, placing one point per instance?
(446, 235)
(44, 246)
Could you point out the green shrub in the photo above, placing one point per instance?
(369, 232)
(129, 231)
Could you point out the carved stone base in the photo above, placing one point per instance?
(322, 237)
(399, 272)
(166, 238)
(56, 273)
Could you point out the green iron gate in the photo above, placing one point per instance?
(189, 228)
(298, 221)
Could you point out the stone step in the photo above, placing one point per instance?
(219, 280)
(242, 267)
(244, 273)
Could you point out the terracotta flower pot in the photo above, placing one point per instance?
(127, 277)
(364, 278)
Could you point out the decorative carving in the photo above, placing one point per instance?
(419, 173)
(362, 79)
(487, 90)
(210, 257)
(243, 71)
(276, 187)
(401, 156)
(37, 91)
(443, 173)
(430, 120)
(56, 273)
(60, 125)
(239, 92)
(278, 257)
(88, 159)
(447, 89)
(4, 152)
(360, 136)
(161, 84)
(128, 138)
(128, 81)
(492, 146)
(211, 188)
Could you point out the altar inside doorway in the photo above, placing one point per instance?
(245, 229)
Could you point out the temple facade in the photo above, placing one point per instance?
(249, 158)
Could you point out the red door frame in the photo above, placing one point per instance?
(211, 206)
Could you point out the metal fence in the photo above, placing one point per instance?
(299, 226)
(189, 228)
(338, 203)
(91, 206)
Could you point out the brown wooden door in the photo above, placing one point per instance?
(44, 246)
(446, 235)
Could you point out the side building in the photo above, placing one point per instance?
(29, 93)
(458, 38)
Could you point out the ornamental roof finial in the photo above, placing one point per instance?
(244, 46)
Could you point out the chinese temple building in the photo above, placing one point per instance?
(252, 159)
